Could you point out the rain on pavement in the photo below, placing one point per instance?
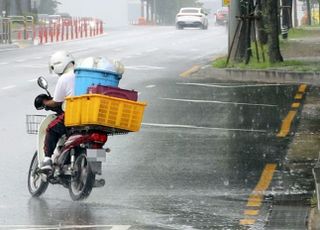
(202, 149)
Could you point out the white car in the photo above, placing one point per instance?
(192, 17)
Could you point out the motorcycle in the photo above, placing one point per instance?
(77, 159)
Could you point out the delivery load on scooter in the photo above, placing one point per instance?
(111, 91)
(97, 71)
(98, 100)
(106, 111)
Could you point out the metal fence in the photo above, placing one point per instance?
(16, 28)
(23, 28)
(5, 31)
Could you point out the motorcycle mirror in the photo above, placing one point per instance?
(42, 82)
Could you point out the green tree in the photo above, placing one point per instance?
(48, 6)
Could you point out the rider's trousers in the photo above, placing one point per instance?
(55, 131)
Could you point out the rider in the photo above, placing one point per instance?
(62, 63)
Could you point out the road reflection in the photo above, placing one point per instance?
(42, 212)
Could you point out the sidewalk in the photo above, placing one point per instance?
(295, 197)
(303, 152)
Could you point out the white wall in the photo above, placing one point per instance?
(113, 12)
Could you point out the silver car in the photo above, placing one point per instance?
(192, 17)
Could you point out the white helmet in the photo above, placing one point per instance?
(59, 61)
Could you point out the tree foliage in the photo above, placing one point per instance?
(166, 10)
(48, 6)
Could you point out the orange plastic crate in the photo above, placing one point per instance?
(97, 109)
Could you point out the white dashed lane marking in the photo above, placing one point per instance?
(8, 87)
(218, 102)
(199, 127)
(232, 86)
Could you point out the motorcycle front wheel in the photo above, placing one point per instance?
(82, 179)
(36, 185)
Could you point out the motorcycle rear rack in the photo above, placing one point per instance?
(89, 128)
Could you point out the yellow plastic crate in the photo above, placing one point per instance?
(98, 109)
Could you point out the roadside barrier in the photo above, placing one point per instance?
(5, 28)
(23, 28)
(70, 29)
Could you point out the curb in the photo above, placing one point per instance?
(8, 46)
(270, 76)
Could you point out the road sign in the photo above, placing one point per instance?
(226, 2)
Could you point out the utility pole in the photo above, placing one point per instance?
(234, 11)
(295, 14)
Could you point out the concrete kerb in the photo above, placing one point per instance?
(269, 76)
(8, 46)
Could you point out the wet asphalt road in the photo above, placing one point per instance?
(200, 152)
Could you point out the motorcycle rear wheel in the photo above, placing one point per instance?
(83, 179)
(36, 185)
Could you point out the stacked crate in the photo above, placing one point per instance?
(98, 101)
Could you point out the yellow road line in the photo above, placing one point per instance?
(251, 212)
(254, 200)
(286, 124)
(256, 197)
(302, 88)
(295, 105)
(254, 203)
(190, 71)
(247, 221)
(298, 96)
(265, 178)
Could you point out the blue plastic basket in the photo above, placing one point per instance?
(89, 77)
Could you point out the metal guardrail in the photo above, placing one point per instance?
(5, 31)
(22, 27)
(16, 27)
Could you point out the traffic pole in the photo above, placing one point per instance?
(76, 28)
(58, 32)
(101, 27)
(81, 28)
(40, 34)
(46, 34)
(234, 11)
(85, 28)
(62, 32)
(97, 27)
(51, 33)
(19, 35)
